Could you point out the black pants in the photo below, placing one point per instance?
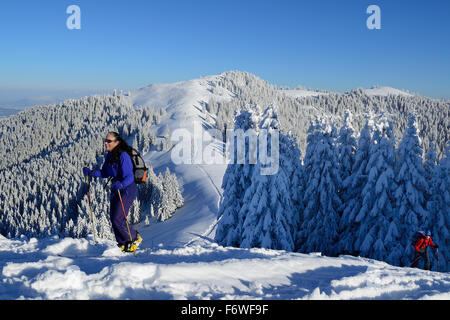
(418, 256)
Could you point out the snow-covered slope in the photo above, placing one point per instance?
(300, 93)
(179, 260)
(77, 269)
(201, 183)
(375, 91)
(385, 91)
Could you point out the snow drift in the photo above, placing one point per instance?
(68, 268)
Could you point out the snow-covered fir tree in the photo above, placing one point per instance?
(270, 212)
(171, 196)
(429, 164)
(438, 207)
(346, 147)
(50, 145)
(411, 188)
(377, 214)
(352, 187)
(154, 191)
(134, 214)
(319, 226)
(237, 178)
(163, 195)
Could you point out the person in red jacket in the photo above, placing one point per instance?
(421, 251)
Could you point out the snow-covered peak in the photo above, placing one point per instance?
(185, 122)
(374, 91)
(301, 93)
(385, 91)
(170, 95)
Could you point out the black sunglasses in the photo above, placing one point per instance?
(109, 141)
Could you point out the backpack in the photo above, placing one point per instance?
(139, 168)
(417, 235)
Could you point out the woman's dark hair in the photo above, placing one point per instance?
(121, 147)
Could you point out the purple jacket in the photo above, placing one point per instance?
(123, 173)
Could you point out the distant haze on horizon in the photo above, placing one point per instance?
(14, 99)
(48, 48)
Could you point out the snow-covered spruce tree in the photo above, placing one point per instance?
(411, 189)
(153, 191)
(443, 215)
(161, 194)
(296, 111)
(237, 177)
(297, 179)
(438, 207)
(377, 235)
(172, 198)
(346, 147)
(50, 145)
(438, 204)
(271, 214)
(352, 187)
(135, 212)
(429, 165)
(320, 218)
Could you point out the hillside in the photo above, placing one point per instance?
(201, 183)
(70, 269)
(298, 107)
(50, 145)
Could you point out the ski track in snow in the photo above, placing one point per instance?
(69, 268)
(220, 196)
(219, 193)
(196, 220)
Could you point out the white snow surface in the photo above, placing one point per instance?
(69, 268)
(200, 182)
(178, 258)
(301, 93)
(374, 91)
(385, 91)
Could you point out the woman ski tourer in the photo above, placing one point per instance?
(119, 167)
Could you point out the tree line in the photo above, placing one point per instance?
(42, 153)
(351, 193)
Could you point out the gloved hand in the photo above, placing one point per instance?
(117, 185)
(87, 171)
(436, 246)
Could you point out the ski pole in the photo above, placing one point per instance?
(414, 261)
(107, 182)
(437, 256)
(90, 209)
(125, 217)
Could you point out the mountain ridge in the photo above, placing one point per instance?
(149, 116)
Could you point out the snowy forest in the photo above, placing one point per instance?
(42, 154)
(295, 113)
(352, 193)
(358, 174)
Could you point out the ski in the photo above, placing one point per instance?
(137, 252)
(77, 257)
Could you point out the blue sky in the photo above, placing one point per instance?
(130, 44)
